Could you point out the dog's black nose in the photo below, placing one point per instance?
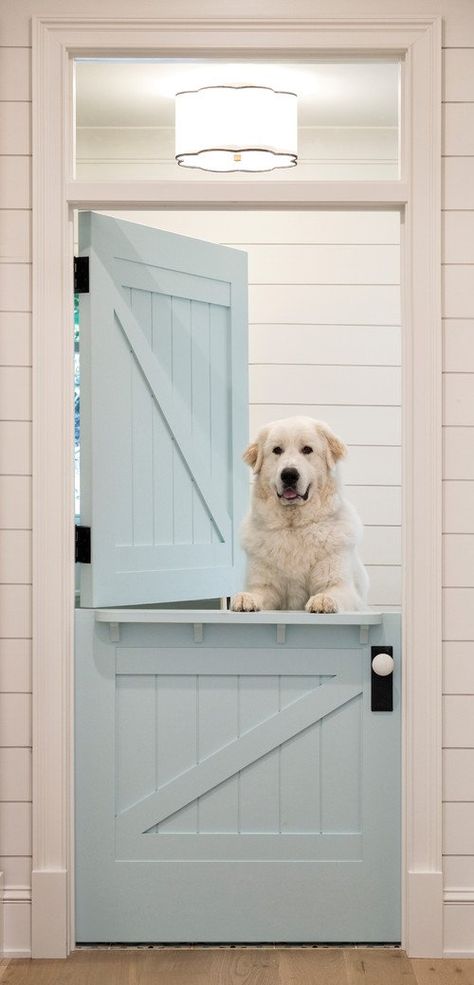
(289, 477)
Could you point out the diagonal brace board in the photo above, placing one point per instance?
(168, 402)
(235, 756)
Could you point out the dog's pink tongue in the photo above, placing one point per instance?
(290, 494)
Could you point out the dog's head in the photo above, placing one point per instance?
(293, 458)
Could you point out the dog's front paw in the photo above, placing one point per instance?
(244, 602)
(321, 603)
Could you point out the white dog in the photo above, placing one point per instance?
(300, 535)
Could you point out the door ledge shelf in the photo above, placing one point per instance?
(201, 617)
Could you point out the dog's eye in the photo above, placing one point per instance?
(278, 450)
(306, 450)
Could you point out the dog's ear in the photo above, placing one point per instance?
(335, 448)
(253, 455)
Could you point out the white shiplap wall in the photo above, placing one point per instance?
(15, 436)
(324, 338)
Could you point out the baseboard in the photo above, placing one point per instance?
(49, 935)
(425, 915)
(2, 925)
(17, 929)
(459, 930)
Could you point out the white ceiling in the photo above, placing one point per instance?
(125, 93)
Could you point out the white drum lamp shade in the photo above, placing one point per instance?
(236, 128)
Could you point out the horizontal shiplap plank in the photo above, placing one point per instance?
(379, 466)
(15, 234)
(15, 73)
(458, 774)
(458, 75)
(458, 183)
(458, 453)
(15, 502)
(459, 398)
(459, 342)
(381, 545)
(15, 128)
(458, 130)
(458, 562)
(15, 286)
(15, 611)
(15, 829)
(458, 829)
(458, 507)
(458, 721)
(250, 226)
(15, 665)
(15, 338)
(15, 182)
(356, 425)
(458, 872)
(16, 871)
(325, 304)
(15, 557)
(458, 608)
(326, 264)
(15, 719)
(15, 393)
(15, 774)
(457, 290)
(384, 584)
(458, 237)
(376, 505)
(15, 448)
(357, 345)
(331, 384)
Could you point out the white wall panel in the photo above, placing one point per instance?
(353, 345)
(15, 73)
(458, 184)
(359, 425)
(458, 730)
(458, 774)
(15, 774)
(457, 290)
(459, 398)
(458, 75)
(325, 384)
(458, 129)
(15, 338)
(324, 264)
(458, 929)
(17, 928)
(15, 393)
(15, 448)
(15, 829)
(458, 829)
(458, 230)
(458, 609)
(379, 466)
(15, 502)
(328, 304)
(384, 584)
(458, 564)
(381, 545)
(16, 871)
(458, 667)
(377, 505)
(15, 128)
(458, 453)
(15, 611)
(15, 719)
(15, 286)
(15, 665)
(459, 343)
(15, 182)
(458, 871)
(15, 557)
(15, 234)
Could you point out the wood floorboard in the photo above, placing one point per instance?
(238, 966)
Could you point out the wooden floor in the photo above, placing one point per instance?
(238, 966)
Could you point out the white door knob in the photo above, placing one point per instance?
(382, 664)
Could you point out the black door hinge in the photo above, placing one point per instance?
(81, 275)
(83, 545)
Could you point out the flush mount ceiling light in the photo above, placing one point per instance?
(236, 128)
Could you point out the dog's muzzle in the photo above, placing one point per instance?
(289, 479)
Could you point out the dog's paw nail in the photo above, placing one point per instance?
(244, 602)
(321, 603)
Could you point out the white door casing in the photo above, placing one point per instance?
(56, 41)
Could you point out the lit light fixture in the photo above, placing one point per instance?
(236, 128)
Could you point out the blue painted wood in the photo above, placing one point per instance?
(164, 411)
(235, 789)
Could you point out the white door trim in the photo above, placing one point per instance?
(56, 40)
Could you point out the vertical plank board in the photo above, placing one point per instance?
(135, 747)
(218, 725)
(299, 766)
(219, 349)
(200, 410)
(340, 756)
(163, 478)
(176, 739)
(259, 800)
(123, 417)
(181, 369)
(142, 432)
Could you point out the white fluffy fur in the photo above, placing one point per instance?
(302, 554)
